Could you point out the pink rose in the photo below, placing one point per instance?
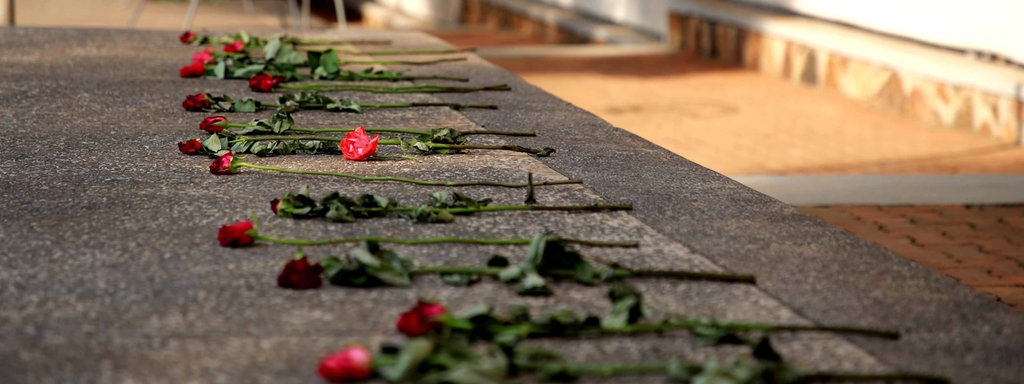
(235, 47)
(352, 363)
(205, 56)
(357, 145)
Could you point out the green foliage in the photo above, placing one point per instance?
(368, 265)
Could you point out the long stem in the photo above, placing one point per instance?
(405, 180)
(749, 327)
(706, 276)
(406, 51)
(402, 62)
(226, 124)
(500, 208)
(455, 106)
(514, 148)
(437, 240)
(418, 88)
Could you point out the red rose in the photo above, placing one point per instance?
(235, 235)
(205, 56)
(197, 102)
(357, 145)
(222, 164)
(208, 124)
(196, 69)
(352, 363)
(274, 204)
(264, 82)
(235, 47)
(190, 147)
(299, 274)
(420, 319)
(187, 37)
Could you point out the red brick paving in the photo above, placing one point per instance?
(979, 246)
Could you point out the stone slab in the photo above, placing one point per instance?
(110, 271)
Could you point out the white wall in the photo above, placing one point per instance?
(994, 26)
(646, 15)
(440, 12)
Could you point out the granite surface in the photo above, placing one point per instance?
(111, 271)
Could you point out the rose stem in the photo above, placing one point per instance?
(673, 274)
(455, 106)
(225, 124)
(606, 370)
(404, 180)
(440, 240)
(402, 62)
(515, 148)
(406, 52)
(418, 88)
(499, 208)
(750, 327)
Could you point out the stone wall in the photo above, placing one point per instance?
(929, 100)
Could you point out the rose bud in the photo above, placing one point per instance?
(222, 164)
(274, 204)
(197, 102)
(187, 37)
(196, 69)
(352, 363)
(235, 235)
(205, 56)
(234, 47)
(264, 82)
(190, 147)
(420, 319)
(299, 274)
(208, 124)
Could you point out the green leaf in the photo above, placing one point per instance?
(627, 307)
(212, 144)
(282, 122)
(219, 69)
(245, 105)
(414, 352)
(342, 105)
(271, 48)
(533, 285)
(511, 274)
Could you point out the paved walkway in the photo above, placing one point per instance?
(736, 122)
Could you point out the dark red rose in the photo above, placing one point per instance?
(357, 145)
(187, 37)
(352, 363)
(196, 69)
(299, 274)
(235, 235)
(235, 47)
(274, 204)
(190, 147)
(420, 319)
(264, 82)
(197, 102)
(208, 124)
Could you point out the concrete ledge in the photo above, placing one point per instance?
(890, 190)
(934, 85)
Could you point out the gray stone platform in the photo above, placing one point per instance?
(110, 272)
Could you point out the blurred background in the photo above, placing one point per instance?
(899, 121)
